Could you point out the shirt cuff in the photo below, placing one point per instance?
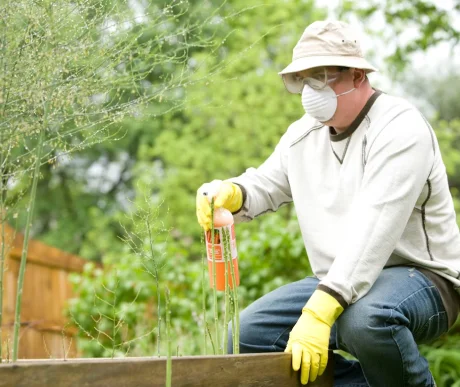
(334, 294)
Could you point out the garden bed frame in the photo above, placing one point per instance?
(249, 370)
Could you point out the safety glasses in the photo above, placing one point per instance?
(318, 80)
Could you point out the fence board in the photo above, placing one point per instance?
(249, 370)
(45, 330)
(47, 255)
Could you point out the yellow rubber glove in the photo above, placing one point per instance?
(225, 193)
(309, 339)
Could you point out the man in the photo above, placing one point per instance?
(366, 176)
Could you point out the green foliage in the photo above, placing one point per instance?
(427, 22)
(272, 254)
(97, 66)
(439, 90)
(444, 364)
(115, 304)
(51, 60)
(65, 83)
(444, 357)
(242, 110)
(114, 313)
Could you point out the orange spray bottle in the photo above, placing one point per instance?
(223, 226)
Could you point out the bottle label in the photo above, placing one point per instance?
(219, 246)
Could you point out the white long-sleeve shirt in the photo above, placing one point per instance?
(376, 195)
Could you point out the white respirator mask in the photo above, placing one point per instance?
(319, 100)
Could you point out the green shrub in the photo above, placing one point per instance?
(116, 304)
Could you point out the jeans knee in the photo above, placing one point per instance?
(359, 329)
(247, 335)
(254, 335)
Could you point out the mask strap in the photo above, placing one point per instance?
(349, 91)
(346, 92)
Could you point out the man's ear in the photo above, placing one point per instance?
(359, 76)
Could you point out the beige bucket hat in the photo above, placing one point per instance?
(324, 43)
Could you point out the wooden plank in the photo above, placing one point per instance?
(249, 370)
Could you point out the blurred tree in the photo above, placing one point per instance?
(441, 91)
(414, 25)
(129, 55)
(236, 120)
(221, 72)
(67, 80)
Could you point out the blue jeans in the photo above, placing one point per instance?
(381, 330)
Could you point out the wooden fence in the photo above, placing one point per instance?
(45, 331)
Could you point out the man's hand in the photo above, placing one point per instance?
(309, 339)
(225, 194)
